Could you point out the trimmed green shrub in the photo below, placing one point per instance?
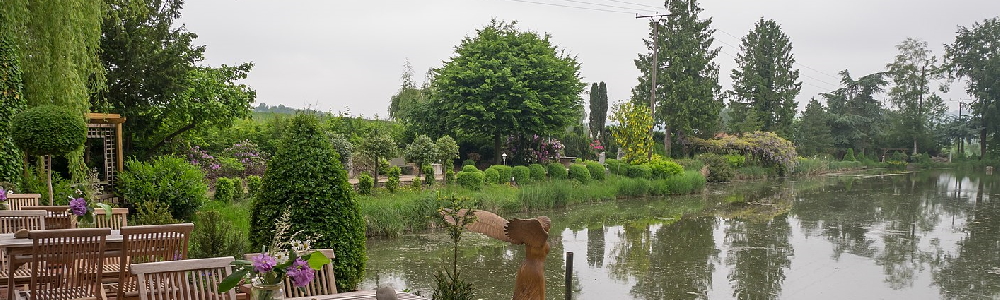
(597, 170)
(506, 172)
(305, 181)
(428, 171)
(152, 213)
(735, 161)
(557, 171)
(616, 167)
(214, 236)
(471, 180)
(225, 190)
(421, 151)
(579, 173)
(493, 176)
(416, 184)
(719, 169)
(253, 185)
(172, 181)
(664, 168)
(521, 174)
(469, 168)
(850, 155)
(537, 172)
(449, 176)
(392, 183)
(365, 184)
(468, 162)
(639, 171)
(48, 130)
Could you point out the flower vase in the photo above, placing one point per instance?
(267, 292)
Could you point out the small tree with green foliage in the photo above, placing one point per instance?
(306, 180)
(225, 190)
(11, 103)
(458, 213)
(392, 184)
(850, 155)
(421, 151)
(366, 184)
(632, 134)
(49, 130)
(447, 151)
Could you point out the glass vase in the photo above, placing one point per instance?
(267, 292)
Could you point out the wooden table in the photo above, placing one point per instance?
(362, 295)
(19, 253)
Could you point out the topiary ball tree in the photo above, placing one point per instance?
(306, 179)
(48, 130)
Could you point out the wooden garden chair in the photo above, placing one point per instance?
(59, 217)
(118, 219)
(191, 279)
(16, 201)
(324, 283)
(67, 264)
(148, 243)
(10, 222)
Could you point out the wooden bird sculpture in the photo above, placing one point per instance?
(529, 283)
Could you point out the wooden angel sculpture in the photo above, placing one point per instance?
(529, 284)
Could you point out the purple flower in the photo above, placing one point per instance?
(215, 166)
(300, 273)
(263, 263)
(78, 206)
(3, 194)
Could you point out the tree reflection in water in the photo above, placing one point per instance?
(925, 235)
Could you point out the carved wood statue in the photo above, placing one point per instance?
(529, 284)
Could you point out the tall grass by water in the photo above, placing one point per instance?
(390, 214)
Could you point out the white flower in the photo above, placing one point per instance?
(281, 257)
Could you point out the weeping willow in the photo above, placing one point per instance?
(57, 43)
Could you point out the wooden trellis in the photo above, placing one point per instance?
(108, 129)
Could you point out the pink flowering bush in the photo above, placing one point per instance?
(766, 147)
(241, 160)
(535, 149)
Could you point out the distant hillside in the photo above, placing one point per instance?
(279, 109)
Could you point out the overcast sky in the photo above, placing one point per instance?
(336, 55)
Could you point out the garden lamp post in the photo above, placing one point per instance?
(504, 155)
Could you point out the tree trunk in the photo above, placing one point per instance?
(982, 142)
(48, 169)
(496, 148)
(666, 141)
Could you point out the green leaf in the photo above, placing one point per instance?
(317, 260)
(233, 280)
(107, 210)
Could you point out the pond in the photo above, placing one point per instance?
(926, 235)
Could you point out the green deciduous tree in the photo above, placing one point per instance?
(632, 131)
(857, 118)
(149, 64)
(421, 151)
(598, 109)
(812, 135)
(687, 83)
(765, 83)
(305, 179)
(917, 108)
(405, 104)
(447, 151)
(975, 57)
(503, 81)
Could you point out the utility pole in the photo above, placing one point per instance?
(655, 67)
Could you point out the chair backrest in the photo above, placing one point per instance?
(59, 216)
(150, 243)
(13, 220)
(184, 279)
(67, 263)
(16, 201)
(324, 283)
(117, 220)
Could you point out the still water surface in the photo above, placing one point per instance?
(926, 235)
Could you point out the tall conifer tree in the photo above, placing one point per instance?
(765, 83)
(598, 109)
(687, 84)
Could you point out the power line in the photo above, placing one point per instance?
(574, 7)
(637, 4)
(606, 5)
(796, 62)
